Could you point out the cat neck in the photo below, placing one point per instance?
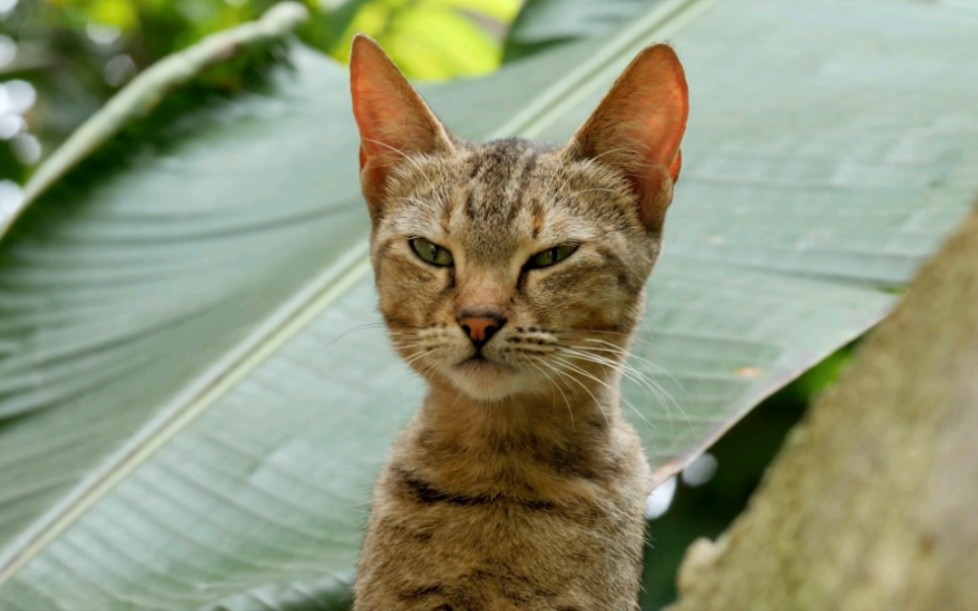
(521, 445)
(553, 415)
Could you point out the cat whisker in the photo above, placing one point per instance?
(423, 358)
(563, 365)
(356, 329)
(622, 367)
(608, 347)
(539, 363)
(629, 372)
(584, 372)
(611, 346)
(584, 333)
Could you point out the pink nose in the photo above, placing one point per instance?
(480, 329)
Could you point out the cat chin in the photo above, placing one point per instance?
(486, 381)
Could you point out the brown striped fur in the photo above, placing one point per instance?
(519, 484)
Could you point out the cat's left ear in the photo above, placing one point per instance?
(394, 121)
(638, 127)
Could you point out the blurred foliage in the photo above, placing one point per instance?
(433, 39)
(64, 58)
(743, 455)
(542, 24)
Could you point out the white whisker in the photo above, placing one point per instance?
(563, 363)
(536, 363)
(632, 374)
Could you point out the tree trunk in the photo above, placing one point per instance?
(873, 502)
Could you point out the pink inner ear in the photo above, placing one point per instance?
(377, 104)
(391, 116)
(373, 116)
(660, 105)
(370, 108)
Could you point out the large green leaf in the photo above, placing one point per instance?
(197, 389)
(541, 24)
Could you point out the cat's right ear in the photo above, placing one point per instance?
(393, 119)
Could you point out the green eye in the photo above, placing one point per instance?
(551, 256)
(430, 252)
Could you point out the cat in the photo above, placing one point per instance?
(511, 277)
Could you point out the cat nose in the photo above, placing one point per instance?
(480, 326)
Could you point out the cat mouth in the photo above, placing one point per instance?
(484, 378)
(479, 361)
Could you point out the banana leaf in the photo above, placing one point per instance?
(542, 24)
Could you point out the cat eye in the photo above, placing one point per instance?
(551, 256)
(429, 252)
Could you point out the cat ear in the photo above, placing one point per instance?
(394, 120)
(638, 128)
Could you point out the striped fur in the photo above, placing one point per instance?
(518, 485)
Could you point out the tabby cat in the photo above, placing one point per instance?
(511, 277)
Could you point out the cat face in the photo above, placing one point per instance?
(547, 251)
(512, 267)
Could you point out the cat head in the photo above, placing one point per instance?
(515, 267)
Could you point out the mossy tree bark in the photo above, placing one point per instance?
(873, 502)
